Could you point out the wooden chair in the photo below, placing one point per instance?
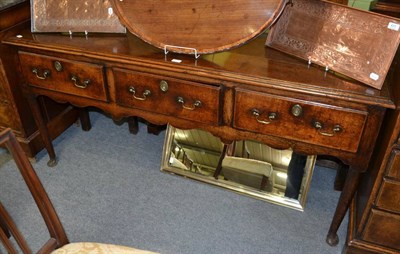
(58, 242)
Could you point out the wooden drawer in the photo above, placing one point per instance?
(383, 228)
(319, 124)
(389, 195)
(188, 100)
(393, 167)
(71, 77)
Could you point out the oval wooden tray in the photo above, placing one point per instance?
(207, 26)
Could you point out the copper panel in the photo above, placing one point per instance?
(206, 26)
(355, 43)
(74, 16)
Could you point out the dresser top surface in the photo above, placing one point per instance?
(252, 63)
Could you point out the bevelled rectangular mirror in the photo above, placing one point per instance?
(247, 167)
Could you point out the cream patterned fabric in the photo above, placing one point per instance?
(98, 248)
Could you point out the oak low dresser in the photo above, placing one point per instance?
(248, 93)
(15, 112)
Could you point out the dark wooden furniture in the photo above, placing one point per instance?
(14, 109)
(374, 225)
(58, 242)
(387, 7)
(250, 93)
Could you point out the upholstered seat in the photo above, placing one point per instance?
(58, 242)
(98, 248)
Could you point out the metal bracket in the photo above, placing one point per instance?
(179, 47)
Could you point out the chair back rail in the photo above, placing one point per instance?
(58, 236)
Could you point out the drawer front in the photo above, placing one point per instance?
(70, 77)
(188, 100)
(389, 195)
(393, 168)
(299, 120)
(383, 228)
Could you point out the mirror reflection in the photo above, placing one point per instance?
(247, 167)
(8, 3)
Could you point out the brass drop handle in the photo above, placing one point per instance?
(336, 129)
(271, 116)
(146, 93)
(196, 104)
(80, 84)
(46, 73)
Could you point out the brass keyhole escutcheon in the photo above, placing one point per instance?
(297, 110)
(164, 86)
(58, 66)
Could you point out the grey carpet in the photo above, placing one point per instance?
(107, 187)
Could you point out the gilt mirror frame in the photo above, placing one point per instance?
(296, 204)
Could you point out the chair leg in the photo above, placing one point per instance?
(4, 228)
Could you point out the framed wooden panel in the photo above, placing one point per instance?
(355, 43)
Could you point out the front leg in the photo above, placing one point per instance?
(349, 189)
(42, 126)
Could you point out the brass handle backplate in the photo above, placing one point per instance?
(271, 116)
(336, 129)
(145, 94)
(196, 104)
(58, 66)
(45, 73)
(80, 84)
(297, 110)
(164, 86)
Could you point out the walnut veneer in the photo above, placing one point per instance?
(249, 93)
(14, 109)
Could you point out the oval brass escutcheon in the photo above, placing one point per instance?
(58, 66)
(297, 110)
(164, 86)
